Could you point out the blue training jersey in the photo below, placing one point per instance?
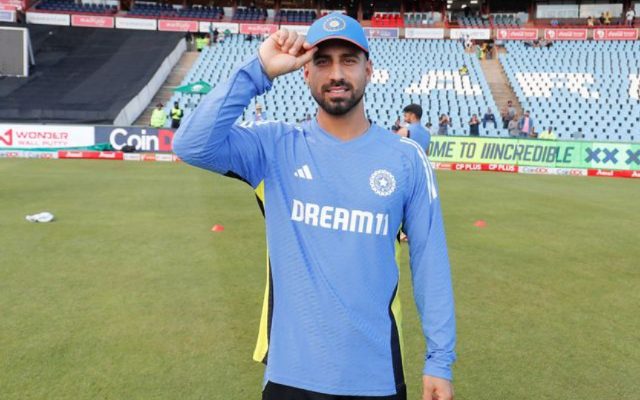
(420, 134)
(333, 210)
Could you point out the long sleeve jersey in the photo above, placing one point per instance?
(331, 321)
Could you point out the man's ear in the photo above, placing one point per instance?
(369, 70)
(305, 73)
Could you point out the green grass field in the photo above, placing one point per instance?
(129, 295)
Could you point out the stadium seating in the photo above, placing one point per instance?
(387, 20)
(167, 10)
(586, 90)
(421, 19)
(250, 14)
(72, 6)
(204, 12)
(406, 71)
(473, 22)
(295, 16)
(506, 21)
(154, 10)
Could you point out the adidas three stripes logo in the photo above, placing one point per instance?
(304, 173)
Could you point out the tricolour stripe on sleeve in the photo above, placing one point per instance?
(431, 187)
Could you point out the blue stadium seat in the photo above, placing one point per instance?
(586, 90)
(406, 71)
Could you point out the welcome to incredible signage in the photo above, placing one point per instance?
(539, 153)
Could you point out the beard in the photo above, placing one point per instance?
(340, 106)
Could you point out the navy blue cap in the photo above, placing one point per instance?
(337, 26)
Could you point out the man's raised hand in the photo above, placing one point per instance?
(284, 52)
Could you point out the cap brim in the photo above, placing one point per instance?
(346, 39)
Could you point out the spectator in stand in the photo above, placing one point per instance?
(489, 50)
(601, 19)
(526, 125)
(514, 131)
(591, 21)
(474, 126)
(489, 117)
(607, 18)
(443, 124)
(429, 128)
(215, 34)
(511, 110)
(479, 52)
(463, 70)
(176, 115)
(631, 14)
(547, 134)
(507, 114)
(200, 42)
(158, 117)
(504, 116)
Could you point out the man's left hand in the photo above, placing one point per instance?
(436, 388)
(404, 132)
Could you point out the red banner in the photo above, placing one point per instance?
(92, 21)
(90, 155)
(500, 168)
(615, 34)
(614, 173)
(258, 29)
(565, 34)
(478, 167)
(177, 26)
(11, 5)
(517, 34)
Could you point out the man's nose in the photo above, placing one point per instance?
(336, 73)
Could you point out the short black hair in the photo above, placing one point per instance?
(415, 109)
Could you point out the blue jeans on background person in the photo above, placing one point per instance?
(493, 121)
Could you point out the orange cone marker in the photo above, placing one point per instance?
(217, 228)
(480, 223)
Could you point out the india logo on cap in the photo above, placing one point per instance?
(334, 24)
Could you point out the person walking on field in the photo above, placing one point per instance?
(336, 192)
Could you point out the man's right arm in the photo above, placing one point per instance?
(209, 138)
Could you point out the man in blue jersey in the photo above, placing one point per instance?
(414, 130)
(336, 191)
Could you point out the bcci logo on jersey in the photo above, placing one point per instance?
(382, 182)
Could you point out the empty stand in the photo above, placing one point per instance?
(420, 19)
(85, 75)
(586, 90)
(168, 10)
(72, 6)
(295, 16)
(250, 14)
(407, 71)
